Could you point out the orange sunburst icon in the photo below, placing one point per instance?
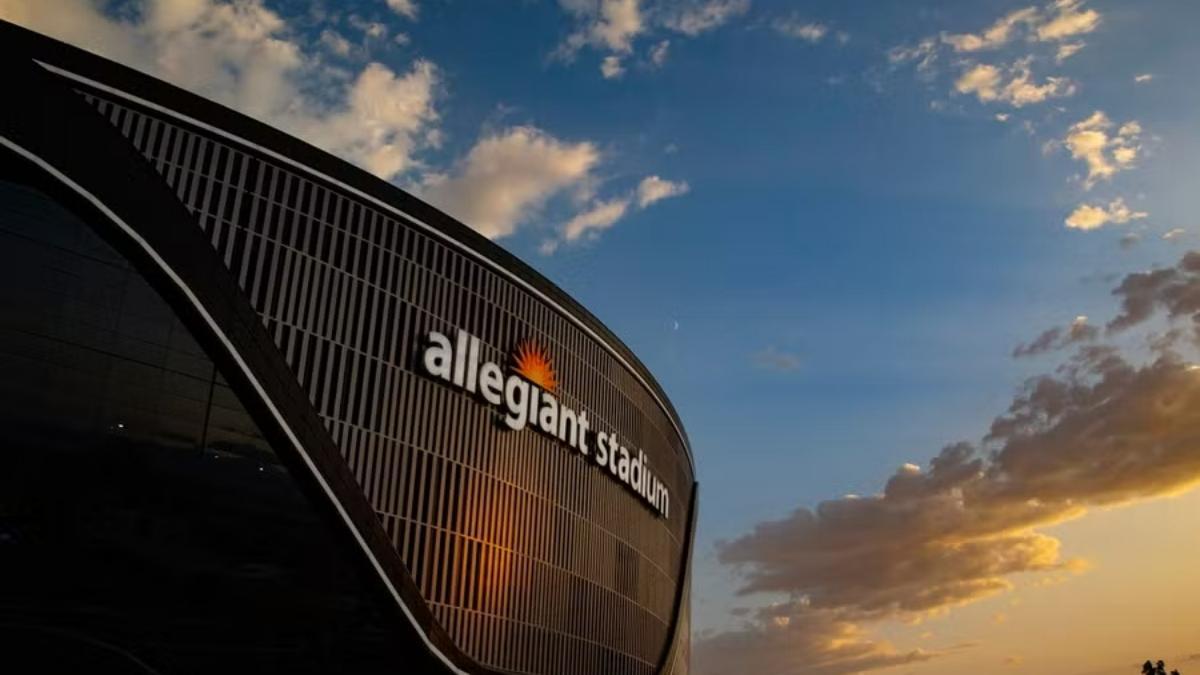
(533, 363)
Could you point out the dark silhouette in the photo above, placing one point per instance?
(1156, 668)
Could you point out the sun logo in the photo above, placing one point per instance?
(533, 363)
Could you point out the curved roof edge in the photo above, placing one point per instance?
(89, 68)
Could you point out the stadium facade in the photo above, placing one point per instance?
(267, 413)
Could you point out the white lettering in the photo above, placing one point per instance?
(523, 403)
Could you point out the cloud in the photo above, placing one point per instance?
(603, 214)
(776, 360)
(1175, 290)
(924, 54)
(997, 35)
(604, 24)
(381, 122)
(1143, 78)
(405, 8)
(1174, 234)
(1056, 338)
(700, 16)
(1067, 50)
(1068, 21)
(372, 29)
(1053, 24)
(794, 27)
(508, 176)
(1105, 154)
(1100, 432)
(245, 56)
(658, 53)
(611, 67)
(799, 643)
(1091, 217)
(614, 25)
(652, 189)
(1013, 85)
(1129, 240)
(599, 218)
(1059, 21)
(335, 42)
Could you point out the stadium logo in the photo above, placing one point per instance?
(525, 397)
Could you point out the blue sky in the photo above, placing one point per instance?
(863, 207)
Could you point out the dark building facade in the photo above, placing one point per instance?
(232, 442)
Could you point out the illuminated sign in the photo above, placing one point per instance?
(525, 397)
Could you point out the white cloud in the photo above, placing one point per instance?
(381, 122)
(1091, 217)
(603, 214)
(694, 18)
(794, 27)
(245, 56)
(405, 8)
(614, 25)
(658, 53)
(653, 189)
(372, 29)
(1055, 23)
(924, 54)
(1174, 234)
(1013, 85)
(611, 67)
(1090, 142)
(1068, 21)
(983, 80)
(606, 24)
(335, 42)
(600, 217)
(1067, 50)
(1143, 78)
(1059, 21)
(996, 35)
(508, 176)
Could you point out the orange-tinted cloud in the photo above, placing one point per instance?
(1101, 431)
(806, 642)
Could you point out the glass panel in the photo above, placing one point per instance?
(145, 524)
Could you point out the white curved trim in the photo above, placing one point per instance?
(241, 363)
(388, 207)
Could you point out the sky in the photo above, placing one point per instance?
(915, 274)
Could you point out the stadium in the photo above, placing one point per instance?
(262, 413)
